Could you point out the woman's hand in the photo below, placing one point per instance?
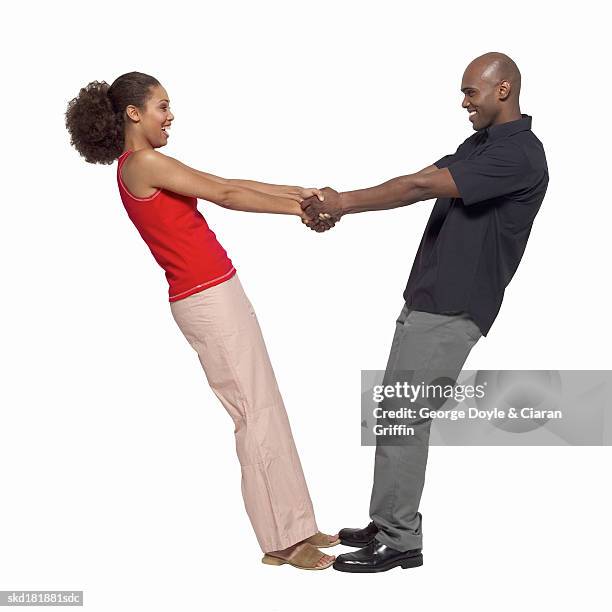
(308, 192)
(299, 194)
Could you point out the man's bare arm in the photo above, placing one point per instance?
(401, 191)
(430, 182)
(428, 169)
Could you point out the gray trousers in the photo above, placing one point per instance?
(423, 343)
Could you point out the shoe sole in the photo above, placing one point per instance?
(277, 561)
(415, 561)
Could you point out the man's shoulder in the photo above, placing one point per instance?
(532, 148)
(525, 136)
(473, 139)
(469, 144)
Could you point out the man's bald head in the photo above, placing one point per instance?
(494, 68)
(492, 85)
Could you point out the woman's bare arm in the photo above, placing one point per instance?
(284, 191)
(163, 172)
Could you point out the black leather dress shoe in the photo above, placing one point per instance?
(376, 557)
(358, 537)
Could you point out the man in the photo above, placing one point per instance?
(488, 194)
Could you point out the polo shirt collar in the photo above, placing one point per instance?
(502, 130)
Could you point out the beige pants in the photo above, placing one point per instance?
(221, 326)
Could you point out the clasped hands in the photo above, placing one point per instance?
(318, 215)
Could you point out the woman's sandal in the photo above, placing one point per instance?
(305, 556)
(321, 540)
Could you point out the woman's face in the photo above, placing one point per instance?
(156, 118)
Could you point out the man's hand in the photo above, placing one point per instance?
(318, 224)
(329, 210)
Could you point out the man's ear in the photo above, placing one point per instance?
(504, 89)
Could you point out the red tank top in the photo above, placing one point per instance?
(179, 238)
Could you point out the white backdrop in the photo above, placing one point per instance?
(117, 462)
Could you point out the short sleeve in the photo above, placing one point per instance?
(500, 170)
(443, 162)
(462, 150)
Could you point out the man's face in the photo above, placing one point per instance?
(480, 97)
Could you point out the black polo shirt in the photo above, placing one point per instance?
(472, 245)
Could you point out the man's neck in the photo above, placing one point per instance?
(512, 115)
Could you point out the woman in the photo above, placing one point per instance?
(128, 121)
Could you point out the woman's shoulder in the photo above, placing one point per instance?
(134, 173)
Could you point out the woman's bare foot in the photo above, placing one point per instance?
(322, 540)
(286, 553)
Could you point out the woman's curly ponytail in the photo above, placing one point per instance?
(95, 119)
